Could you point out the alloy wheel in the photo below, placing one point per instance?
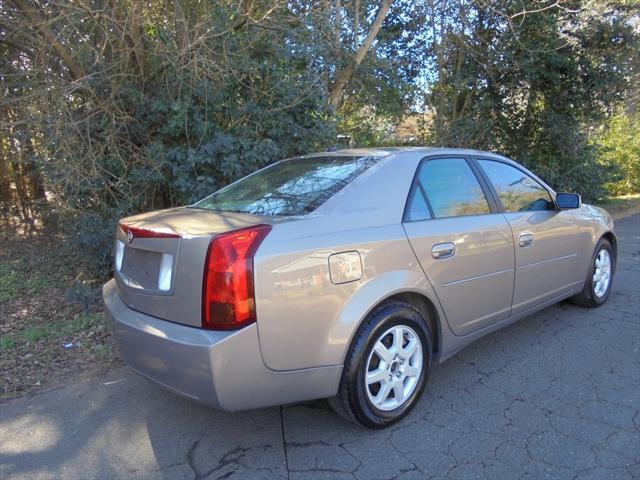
(393, 367)
(602, 273)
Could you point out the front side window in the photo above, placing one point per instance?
(451, 190)
(290, 187)
(518, 192)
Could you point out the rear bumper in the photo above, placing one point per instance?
(222, 369)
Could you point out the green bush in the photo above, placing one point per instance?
(145, 105)
(619, 148)
(189, 123)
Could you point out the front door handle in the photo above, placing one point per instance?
(443, 250)
(526, 239)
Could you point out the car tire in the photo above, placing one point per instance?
(595, 292)
(402, 376)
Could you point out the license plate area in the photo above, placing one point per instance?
(146, 270)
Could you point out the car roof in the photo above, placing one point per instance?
(393, 174)
(386, 151)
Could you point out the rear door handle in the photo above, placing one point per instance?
(443, 250)
(526, 239)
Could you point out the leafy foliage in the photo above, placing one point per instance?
(528, 85)
(174, 117)
(619, 147)
(110, 108)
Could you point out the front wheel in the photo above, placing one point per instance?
(386, 368)
(597, 286)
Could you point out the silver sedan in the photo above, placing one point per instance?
(347, 275)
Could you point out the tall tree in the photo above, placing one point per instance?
(345, 71)
(529, 81)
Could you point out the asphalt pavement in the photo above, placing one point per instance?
(555, 396)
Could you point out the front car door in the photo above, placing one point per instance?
(463, 243)
(545, 238)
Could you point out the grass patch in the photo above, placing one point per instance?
(34, 334)
(44, 305)
(55, 332)
(615, 205)
(7, 343)
(17, 278)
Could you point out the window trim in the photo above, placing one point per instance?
(494, 192)
(493, 206)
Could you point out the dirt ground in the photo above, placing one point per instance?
(50, 330)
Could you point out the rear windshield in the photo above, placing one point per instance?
(289, 187)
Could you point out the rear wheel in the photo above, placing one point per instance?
(600, 277)
(386, 368)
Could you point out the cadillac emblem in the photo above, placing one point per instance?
(129, 236)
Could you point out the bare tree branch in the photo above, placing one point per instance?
(34, 15)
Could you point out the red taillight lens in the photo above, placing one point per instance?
(227, 295)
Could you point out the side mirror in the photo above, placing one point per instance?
(566, 201)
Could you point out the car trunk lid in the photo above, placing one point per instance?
(160, 256)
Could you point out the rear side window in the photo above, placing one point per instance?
(417, 208)
(518, 192)
(289, 187)
(448, 188)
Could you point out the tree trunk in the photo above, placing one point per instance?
(32, 176)
(180, 19)
(5, 183)
(345, 73)
(356, 22)
(337, 33)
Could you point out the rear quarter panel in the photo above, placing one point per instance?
(305, 320)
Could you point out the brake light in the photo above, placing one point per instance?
(228, 300)
(137, 232)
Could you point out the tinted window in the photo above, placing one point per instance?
(518, 192)
(451, 189)
(289, 187)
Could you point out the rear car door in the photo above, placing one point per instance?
(545, 238)
(462, 242)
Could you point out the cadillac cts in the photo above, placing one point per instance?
(347, 275)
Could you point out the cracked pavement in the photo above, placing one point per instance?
(556, 396)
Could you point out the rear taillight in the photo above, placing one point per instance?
(227, 295)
